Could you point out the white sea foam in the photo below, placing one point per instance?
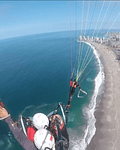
(89, 80)
(88, 111)
(1, 143)
(6, 142)
(71, 117)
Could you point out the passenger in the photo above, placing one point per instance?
(41, 121)
(73, 85)
(62, 128)
(42, 138)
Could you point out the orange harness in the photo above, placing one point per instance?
(61, 127)
(30, 133)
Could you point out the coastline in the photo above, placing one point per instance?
(99, 82)
(107, 112)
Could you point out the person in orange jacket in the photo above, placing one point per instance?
(62, 128)
(73, 86)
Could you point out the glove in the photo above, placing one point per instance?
(3, 113)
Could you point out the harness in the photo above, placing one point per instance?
(61, 125)
(74, 85)
(30, 133)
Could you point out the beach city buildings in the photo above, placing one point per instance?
(112, 40)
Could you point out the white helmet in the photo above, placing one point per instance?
(43, 139)
(40, 121)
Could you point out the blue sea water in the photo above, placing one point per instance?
(34, 76)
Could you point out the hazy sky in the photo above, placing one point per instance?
(19, 18)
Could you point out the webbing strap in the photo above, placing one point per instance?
(44, 140)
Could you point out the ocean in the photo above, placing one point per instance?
(35, 71)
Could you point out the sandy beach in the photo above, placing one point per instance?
(107, 114)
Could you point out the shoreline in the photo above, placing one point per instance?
(107, 111)
(99, 83)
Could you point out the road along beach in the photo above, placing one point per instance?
(107, 114)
